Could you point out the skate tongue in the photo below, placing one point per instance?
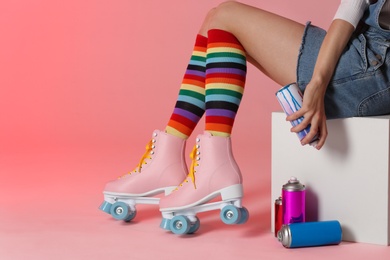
(191, 173)
(193, 156)
(146, 155)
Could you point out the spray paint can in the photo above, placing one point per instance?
(290, 98)
(278, 215)
(310, 234)
(293, 201)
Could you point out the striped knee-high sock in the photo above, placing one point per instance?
(190, 104)
(225, 80)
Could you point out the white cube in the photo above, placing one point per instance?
(347, 180)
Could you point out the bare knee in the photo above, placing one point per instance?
(218, 17)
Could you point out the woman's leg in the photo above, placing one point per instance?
(190, 104)
(214, 170)
(225, 81)
(271, 41)
(234, 30)
(163, 165)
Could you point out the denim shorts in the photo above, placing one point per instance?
(360, 84)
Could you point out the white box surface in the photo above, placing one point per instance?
(347, 180)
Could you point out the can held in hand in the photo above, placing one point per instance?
(290, 98)
(293, 201)
(310, 234)
(278, 215)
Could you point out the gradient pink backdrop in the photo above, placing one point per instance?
(97, 77)
(83, 85)
(94, 78)
(92, 73)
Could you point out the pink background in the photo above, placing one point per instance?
(82, 74)
(83, 85)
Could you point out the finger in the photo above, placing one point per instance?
(295, 115)
(300, 125)
(310, 136)
(323, 136)
(314, 130)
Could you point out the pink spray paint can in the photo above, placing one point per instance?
(293, 201)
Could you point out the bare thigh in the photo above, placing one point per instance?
(271, 41)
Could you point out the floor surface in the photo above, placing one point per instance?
(50, 211)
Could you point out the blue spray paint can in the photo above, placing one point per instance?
(310, 234)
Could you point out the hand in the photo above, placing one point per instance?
(313, 112)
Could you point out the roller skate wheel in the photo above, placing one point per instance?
(244, 216)
(131, 216)
(120, 210)
(180, 225)
(194, 227)
(230, 215)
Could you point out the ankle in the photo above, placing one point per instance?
(171, 131)
(216, 133)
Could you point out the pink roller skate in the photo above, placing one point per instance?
(213, 173)
(160, 170)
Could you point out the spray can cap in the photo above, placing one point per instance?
(294, 185)
(284, 236)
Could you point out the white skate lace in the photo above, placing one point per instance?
(149, 148)
(194, 163)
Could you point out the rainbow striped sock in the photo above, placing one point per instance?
(225, 81)
(190, 104)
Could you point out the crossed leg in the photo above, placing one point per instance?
(271, 41)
